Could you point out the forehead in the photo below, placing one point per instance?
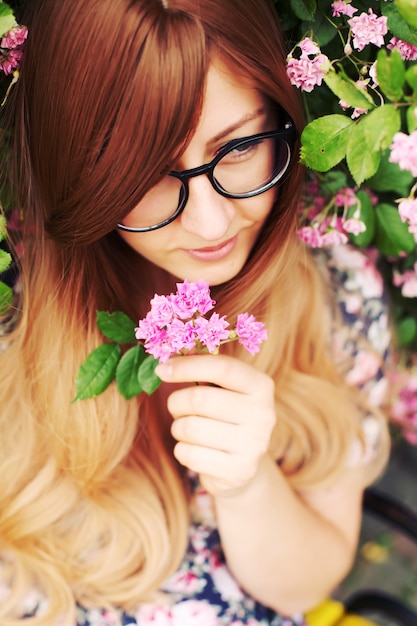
(229, 98)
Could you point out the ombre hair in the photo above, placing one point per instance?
(92, 506)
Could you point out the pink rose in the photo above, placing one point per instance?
(154, 615)
(194, 613)
(365, 367)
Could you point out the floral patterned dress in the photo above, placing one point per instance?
(203, 592)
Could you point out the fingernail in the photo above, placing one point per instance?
(164, 371)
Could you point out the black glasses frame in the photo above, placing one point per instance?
(288, 134)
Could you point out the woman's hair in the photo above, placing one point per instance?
(92, 506)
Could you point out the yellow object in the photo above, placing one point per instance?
(374, 552)
(332, 613)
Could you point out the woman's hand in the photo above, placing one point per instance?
(223, 428)
(223, 433)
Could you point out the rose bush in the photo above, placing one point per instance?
(355, 64)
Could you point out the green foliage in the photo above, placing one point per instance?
(324, 31)
(407, 9)
(5, 260)
(97, 371)
(411, 120)
(367, 214)
(406, 331)
(362, 159)
(391, 74)
(391, 234)
(304, 9)
(116, 326)
(6, 293)
(7, 19)
(6, 298)
(348, 91)
(127, 372)
(389, 177)
(351, 148)
(133, 370)
(324, 142)
(371, 134)
(331, 138)
(148, 380)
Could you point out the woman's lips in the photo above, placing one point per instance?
(215, 253)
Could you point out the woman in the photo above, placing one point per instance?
(118, 104)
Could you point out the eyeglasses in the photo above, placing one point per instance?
(243, 168)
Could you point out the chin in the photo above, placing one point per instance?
(213, 276)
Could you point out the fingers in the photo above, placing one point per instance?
(223, 427)
(249, 441)
(214, 402)
(221, 370)
(229, 471)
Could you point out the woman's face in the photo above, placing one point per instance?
(213, 236)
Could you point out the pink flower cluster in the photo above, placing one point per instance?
(404, 151)
(407, 281)
(345, 198)
(11, 49)
(332, 231)
(343, 8)
(404, 408)
(309, 70)
(189, 613)
(357, 111)
(368, 28)
(176, 324)
(407, 51)
(320, 230)
(407, 209)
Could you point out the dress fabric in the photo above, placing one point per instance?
(203, 592)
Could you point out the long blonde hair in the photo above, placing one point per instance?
(93, 508)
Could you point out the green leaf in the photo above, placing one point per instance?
(390, 177)
(391, 234)
(380, 126)
(148, 380)
(5, 260)
(3, 227)
(7, 20)
(411, 118)
(323, 29)
(324, 142)
(127, 372)
(367, 215)
(372, 133)
(333, 181)
(304, 9)
(116, 326)
(347, 90)
(362, 160)
(390, 71)
(406, 330)
(6, 298)
(411, 76)
(97, 371)
(407, 9)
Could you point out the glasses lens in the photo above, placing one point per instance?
(252, 165)
(158, 205)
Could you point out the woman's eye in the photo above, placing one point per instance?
(243, 150)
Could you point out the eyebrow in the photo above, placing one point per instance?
(237, 125)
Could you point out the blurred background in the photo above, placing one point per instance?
(386, 559)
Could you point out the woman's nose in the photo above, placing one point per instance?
(207, 213)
